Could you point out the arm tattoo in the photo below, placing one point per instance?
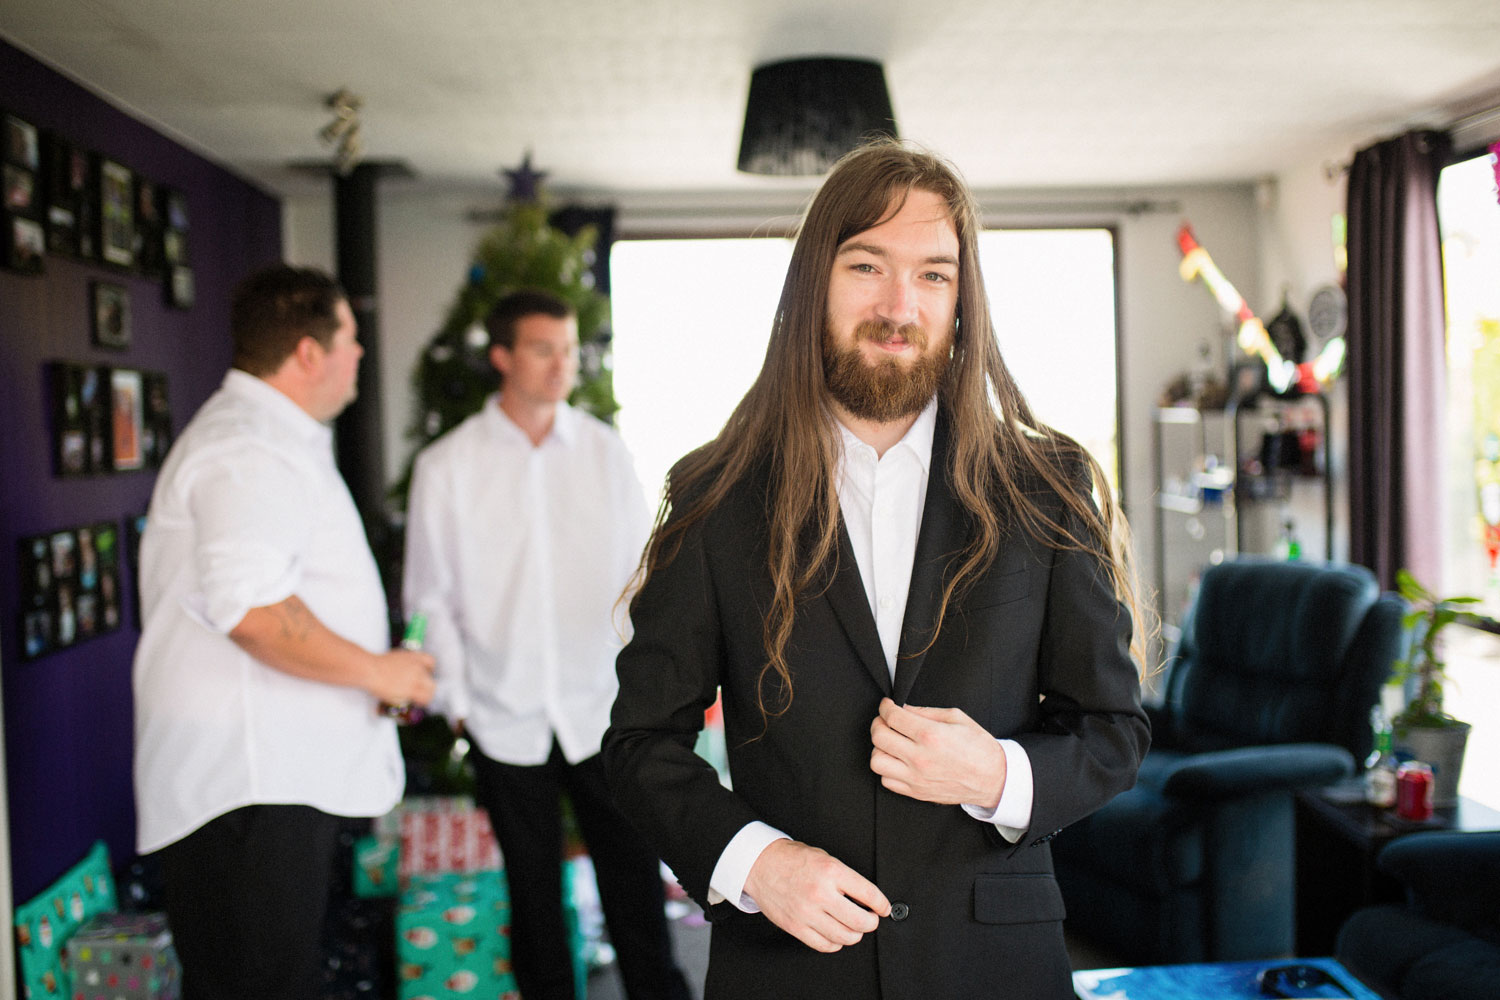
(296, 621)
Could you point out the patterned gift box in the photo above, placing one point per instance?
(441, 833)
(46, 923)
(453, 938)
(124, 956)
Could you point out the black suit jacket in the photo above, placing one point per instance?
(1037, 652)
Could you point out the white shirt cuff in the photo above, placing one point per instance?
(1012, 815)
(733, 867)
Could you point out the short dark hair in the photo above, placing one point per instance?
(511, 309)
(274, 308)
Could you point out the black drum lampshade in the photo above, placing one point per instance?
(803, 114)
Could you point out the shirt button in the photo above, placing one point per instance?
(900, 911)
(885, 603)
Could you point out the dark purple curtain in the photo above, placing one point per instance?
(1396, 362)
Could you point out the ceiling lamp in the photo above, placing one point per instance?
(803, 114)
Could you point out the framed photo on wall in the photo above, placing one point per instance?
(111, 315)
(26, 244)
(148, 227)
(126, 416)
(156, 429)
(36, 595)
(81, 419)
(116, 213)
(22, 145)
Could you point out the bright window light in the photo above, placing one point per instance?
(691, 319)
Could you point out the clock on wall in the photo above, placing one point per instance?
(1328, 313)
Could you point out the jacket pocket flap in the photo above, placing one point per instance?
(1017, 899)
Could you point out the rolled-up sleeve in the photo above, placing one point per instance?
(252, 527)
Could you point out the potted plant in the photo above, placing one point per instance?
(1423, 728)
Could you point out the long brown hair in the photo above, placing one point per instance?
(785, 423)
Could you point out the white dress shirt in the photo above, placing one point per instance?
(249, 510)
(518, 553)
(881, 499)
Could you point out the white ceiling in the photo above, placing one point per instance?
(616, 96)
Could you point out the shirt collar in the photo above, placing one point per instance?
(917, 439)
(279, 405)
(564, 421)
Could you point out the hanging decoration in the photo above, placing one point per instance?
(1284, 375)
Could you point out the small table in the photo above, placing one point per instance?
(1207, 981)
(1339, 836)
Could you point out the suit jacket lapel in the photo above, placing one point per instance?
(939, 540)
(851, 605)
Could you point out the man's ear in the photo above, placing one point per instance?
(500, 359)
(309, 353)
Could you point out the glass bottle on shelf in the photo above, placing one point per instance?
(1289, 546)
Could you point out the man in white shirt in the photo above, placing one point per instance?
(917, 616)
(524, 525)
(265, 653)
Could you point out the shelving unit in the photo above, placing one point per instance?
(1225, 481)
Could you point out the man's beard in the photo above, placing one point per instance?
(886, 390)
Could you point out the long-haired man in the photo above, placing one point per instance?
(917, 603)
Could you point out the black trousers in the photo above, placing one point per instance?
(525, 809)
(246, 895)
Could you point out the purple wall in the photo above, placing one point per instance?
(68, 714)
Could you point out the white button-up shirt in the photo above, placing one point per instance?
(518, 554)
(882, 499)
(249, 510)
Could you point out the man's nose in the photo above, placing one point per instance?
(898, 302)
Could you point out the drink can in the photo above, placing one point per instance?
(1414, 791)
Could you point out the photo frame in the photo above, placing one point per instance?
(20, 190)
(148, 227)
(126, 417)
(35, 562)
(156, 432)
(180, 289)
(135, 527)
(22, 143)
(64, 598)
(70, 587)
(81, 420)
(26, 244)
(116, 213)
(110, 312)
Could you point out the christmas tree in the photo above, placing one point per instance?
(453, 376)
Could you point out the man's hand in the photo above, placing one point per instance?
(402, 677)
(936, 755)
(813, 896)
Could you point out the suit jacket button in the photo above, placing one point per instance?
(900, 911)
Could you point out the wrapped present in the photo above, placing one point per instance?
(453, 937)
(46, 923)
(441, 834)
(124, 956)
(376, 860)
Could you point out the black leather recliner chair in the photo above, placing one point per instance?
(1269, 691)
(1444, 944)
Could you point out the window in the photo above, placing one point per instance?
(1469, 216)
(691, 320)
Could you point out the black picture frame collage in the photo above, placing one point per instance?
(70, 587)
(63, 200)
(108, 419)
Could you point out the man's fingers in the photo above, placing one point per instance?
(872, 902)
